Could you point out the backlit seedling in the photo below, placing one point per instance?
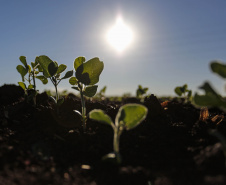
(141, 91)
(128, 117)
(86, 76)
(184, 92)
(53, 71)
(29, 73)
(212, 98)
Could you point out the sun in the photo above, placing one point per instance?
(120, 35)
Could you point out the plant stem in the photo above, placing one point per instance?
(56, 92)
(83, 108)
(33, 76)
(116, 141)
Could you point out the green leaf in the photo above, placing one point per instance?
(43, 79)
(44, 62)
(22, 84)
(52, 68)
(22, 70)
(76, 88)
(90, 91)
(29, 68)
(78, 61)
(73, 81)
(141, 91)
(23, 60)
(207, 100)
(61, 68)
(30, 86)
(208, 89)
(210, 99)
(218, 68)
(100, 116)
(131, 115)
(178, 91)
(68, 74)
(88, 73)
(184, 88)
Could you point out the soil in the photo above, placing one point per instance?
(172, 146)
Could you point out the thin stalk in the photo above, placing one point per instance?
(33, 76)
(116, 141)
(83, 108)
(56, 92)
(55, 85)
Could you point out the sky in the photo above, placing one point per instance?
(173, 41)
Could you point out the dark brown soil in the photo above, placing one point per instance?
(171, 147)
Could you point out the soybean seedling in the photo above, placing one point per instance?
(184, 92)
(31, 71)
(53, 71)
(128, 117)
(86, 76)
(212, 98)
(141, 91)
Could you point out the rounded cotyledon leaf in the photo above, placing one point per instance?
(23, 60)
(88, 73)
(78, 61)
(61, 68)
(68, 74)
(43, 79)
(22, 70)
(90, 91)
(22, 85)
(44, 62)
(73, 80)
(131, 115)
(178, 91)
(100, 116)
(52, 68)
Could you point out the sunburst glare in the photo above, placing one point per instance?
(120, 36)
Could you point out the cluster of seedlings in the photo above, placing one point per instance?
(83, 78)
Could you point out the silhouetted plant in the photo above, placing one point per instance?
(211, 98)
(86, 76)
(128, 117)
(184, 92)
(53, 71)
(141, 91)
(29, 73)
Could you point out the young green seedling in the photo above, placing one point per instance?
(211, 98)
(52, 71)
(184, 91)
(32, 71)
(128, 117)
(141, 91)
(86, 76)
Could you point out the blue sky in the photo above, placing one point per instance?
(174, 41)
